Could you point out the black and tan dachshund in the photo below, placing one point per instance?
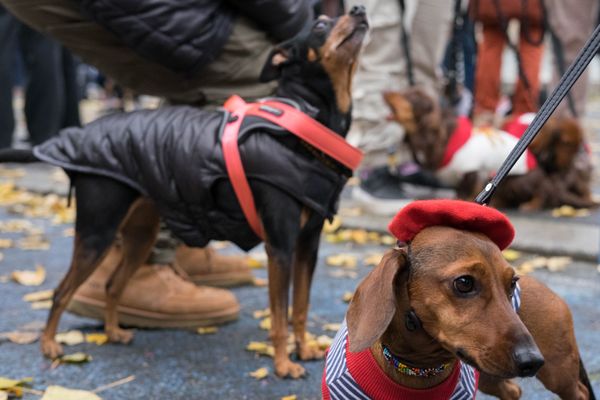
(314, 69)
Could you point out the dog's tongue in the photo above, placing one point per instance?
(421, 214)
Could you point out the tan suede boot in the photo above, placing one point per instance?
(205, 266)
(155, 297)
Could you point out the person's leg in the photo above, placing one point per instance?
(572, 23)
(487, 71)
(45, 95)
(525, 98)
(72, 90)
(8, 29)
(430, 30)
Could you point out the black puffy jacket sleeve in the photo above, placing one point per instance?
(281, 19)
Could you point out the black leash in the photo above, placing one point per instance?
(582, 60)
(406, 45)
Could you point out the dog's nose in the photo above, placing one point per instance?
(358, 10)
(528, 359)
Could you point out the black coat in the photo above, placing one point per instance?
(173, 155)
(185, 35)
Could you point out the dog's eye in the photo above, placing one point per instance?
(464, 284)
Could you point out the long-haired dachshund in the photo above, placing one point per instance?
(314, 70)
(551, 174)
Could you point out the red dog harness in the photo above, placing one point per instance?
(292, 120)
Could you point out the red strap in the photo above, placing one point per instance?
(235, 168)
(292, 120)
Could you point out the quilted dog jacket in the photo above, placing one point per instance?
(173, 155)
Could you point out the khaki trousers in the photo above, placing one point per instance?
(382, 67)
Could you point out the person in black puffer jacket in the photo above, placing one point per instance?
(196, 52)
(187, 51)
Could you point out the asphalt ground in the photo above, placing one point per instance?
(175, 364)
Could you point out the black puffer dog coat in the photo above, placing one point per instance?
(173, 155)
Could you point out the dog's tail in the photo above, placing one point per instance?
(583, 376)
(17, 156)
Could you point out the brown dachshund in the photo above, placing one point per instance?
(562, 176)
(460, 286)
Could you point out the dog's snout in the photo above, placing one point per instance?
(528, 360)
(358, 11)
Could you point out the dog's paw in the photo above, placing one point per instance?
(306, 353)
(119, 335)
(51, 348)
(289, 369)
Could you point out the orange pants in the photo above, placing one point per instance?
(487, 74)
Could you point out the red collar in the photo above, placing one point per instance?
(289, 118)
(377, 385)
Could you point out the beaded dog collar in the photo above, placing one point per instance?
(411, 371)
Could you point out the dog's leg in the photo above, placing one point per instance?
(504, 389)
(138, 231)
(304, 266)
(102, 203)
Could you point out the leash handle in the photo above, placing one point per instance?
(565, 84)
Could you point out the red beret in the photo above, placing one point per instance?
(458, 214)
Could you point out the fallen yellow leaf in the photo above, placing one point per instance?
(260, 373)
(334, 225)
(289, 397)
(511, 255)
(22, 337)
(30, 278)
(75, 358)
(62, 393)
(342, 260)
(347, 297)
(69, 232)
(39, 296)
(261, 348)
(334, 327)
(254, 263)
(41, 305)
(372, 259)
(6, 243)
(265, 324)
(14, 386)
(34, 242)
(260, 282)
(341, 273)
(207, 330)
(70, 338)
(256, 314)
(97, 338)
(324, 342)
(388, 240)
(571, 212)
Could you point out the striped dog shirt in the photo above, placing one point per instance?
(357, 376)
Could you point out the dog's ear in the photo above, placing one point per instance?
(374, 302)
(402, 110)
(280, 56)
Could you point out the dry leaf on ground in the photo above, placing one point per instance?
(256, 314)
(41, 305)
(265, 324)
(17, 226)
(63, 393)
(75, 358)
(553, 264)
(347, 297)
(34, 242)
(70, 338)
(372, 259)
(333, 327)
(3, 395)
(570, 212)
(207, 330)
(21, 337)
(255, 263)
(388, 240)
(342, 260)
(511, 255)
(14, 386)
(340, 273)
(39, 296)
(260, 282)
(334, 225)
(289, 397)
(6, 243)
(260, 373)
(30, 278)
(69, 232)
(97, 338)
(262, 348)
